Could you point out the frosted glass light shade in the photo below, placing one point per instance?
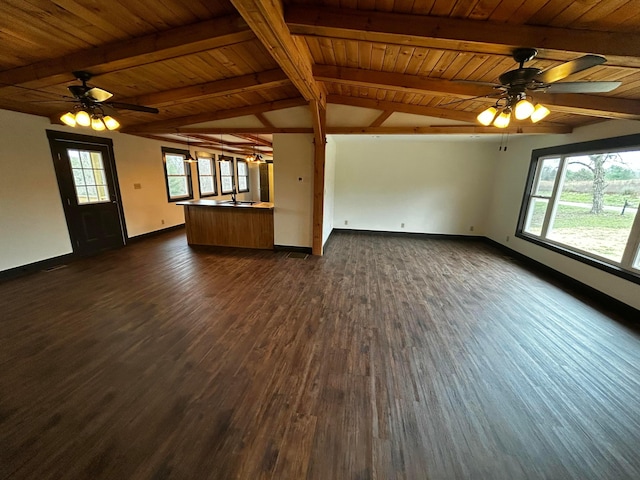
(111, 122)
(539, 113)
(486, 117)
(69, 119)
(502, 120)
(524, 109)
(83, 118)
(96, 124)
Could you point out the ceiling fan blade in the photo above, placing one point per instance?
(98, 94)
(473, 82)
(581, 87)
(135, 108)
(564, 70)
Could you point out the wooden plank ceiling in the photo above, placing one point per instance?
(223, 72)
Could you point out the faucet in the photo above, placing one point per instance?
(233, 196)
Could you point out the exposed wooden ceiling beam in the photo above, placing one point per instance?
(582, 104)
(437, 112)
(265, 18)
(133, 52)
(264, 120)
(174, 123)
(160, 138)
(448, 129)
(255, 139)
(206, 144)
(398, 81)
(622, 48)
(228, 86)
(381, 119)
(215, 141)
(318, 117)
(224, 130)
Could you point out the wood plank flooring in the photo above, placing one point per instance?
(388, 358)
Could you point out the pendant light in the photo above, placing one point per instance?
(189, 158)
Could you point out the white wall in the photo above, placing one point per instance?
(329, 189)
(510, 178)
(293, 184)
(32, 222)
(432, 185)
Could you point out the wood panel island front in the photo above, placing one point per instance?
(229, 224)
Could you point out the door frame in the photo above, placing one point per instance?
(87, 141)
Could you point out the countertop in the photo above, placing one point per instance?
(226, 203)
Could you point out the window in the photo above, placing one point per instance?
(242, 170)
(89, 178)
(582, 200)
(177, 174)
(226, 174)
(206, 175)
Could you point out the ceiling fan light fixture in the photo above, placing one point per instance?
(487, 117)
(83, 119)
(110, 122)
(539, 112)
(524, 109)
(502, 120)
(69, 119)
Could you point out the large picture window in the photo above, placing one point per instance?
(177, 174)
(583, 199)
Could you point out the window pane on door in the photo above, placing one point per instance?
(89, 177)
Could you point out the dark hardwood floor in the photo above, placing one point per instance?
(389, 358)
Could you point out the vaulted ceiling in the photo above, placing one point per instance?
(250, 68)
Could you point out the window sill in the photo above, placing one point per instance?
(567, 252)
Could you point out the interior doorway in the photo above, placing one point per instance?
(88, 183)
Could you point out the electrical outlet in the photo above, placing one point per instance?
(471, 228)
(137, 186)
(402, 225)
(162, 221)
(346, 222)
(507, 238)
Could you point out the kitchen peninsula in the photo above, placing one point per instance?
(228, 223)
